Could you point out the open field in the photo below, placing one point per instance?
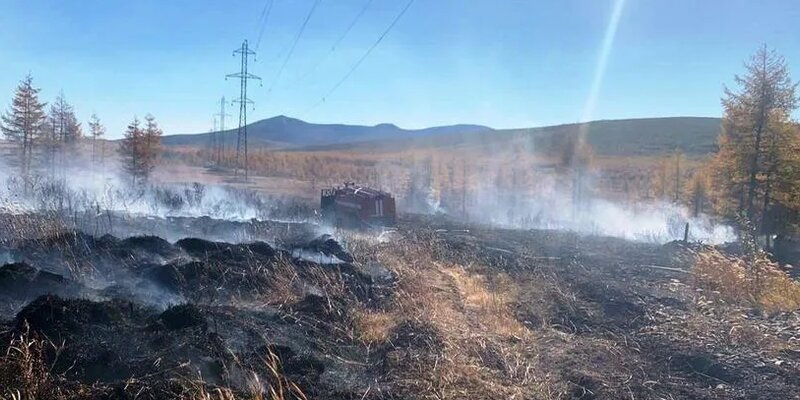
(456, 177)
(626, 157)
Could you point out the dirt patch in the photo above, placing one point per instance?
(153, 244)
(704, 366)
(20, 283)
(57, 317)
(181, 317)
(215, 251)
(23, 278)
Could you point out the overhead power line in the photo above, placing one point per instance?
(366, 54)
(294, 44)
(335, 44)
(262, 20)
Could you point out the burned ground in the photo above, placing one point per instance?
(440, 310)
(621, 320)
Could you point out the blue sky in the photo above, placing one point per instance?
(502, 63)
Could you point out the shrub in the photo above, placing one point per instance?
(753, 280)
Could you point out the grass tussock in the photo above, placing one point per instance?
(374, 326)
(490, 301)
(23, 372)
(756, 282)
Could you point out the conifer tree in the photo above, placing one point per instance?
(130, 150)
(753, 113)
(140, 148)
(97, 130)
(756, 167)
(152, 145)
(64, 130)
(24, 122)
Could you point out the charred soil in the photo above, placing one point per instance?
(441, 310)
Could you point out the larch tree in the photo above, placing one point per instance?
(131, 150)
(696, 191)
(152, 145)
(780, 203)
(765, 99)
(756, 148)
(24, 122)
(140, 148)
(666, 180)
(64, 130)
(676, 195)
(97, 131)
(727, 174)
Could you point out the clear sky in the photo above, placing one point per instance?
(502, 63)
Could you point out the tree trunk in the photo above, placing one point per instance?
(765, 226)
(751, 194)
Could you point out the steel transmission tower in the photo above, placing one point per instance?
(212, 142)
(241, 134)
(220, 148)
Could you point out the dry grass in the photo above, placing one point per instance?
(757, 282)
(23, 373)
(374, 326)
(21, 226)
(478, 349)
(489, 302)
(283, 282)
(279, 387)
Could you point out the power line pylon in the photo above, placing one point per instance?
(220, 149)
(241, 134)
(212, 142)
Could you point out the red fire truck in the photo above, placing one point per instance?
(357, 207)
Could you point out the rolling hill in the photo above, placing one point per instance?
(626, 137)
(286, 132)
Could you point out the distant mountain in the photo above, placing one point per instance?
(626, 137)
(286, 132)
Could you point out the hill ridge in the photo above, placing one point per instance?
(633, 136)
(282, 131)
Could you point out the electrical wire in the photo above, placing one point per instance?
(262, 20)
(364, 57)
(335, 45)
(294, 44)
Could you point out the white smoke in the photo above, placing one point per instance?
(551, 207)
(82, 189)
